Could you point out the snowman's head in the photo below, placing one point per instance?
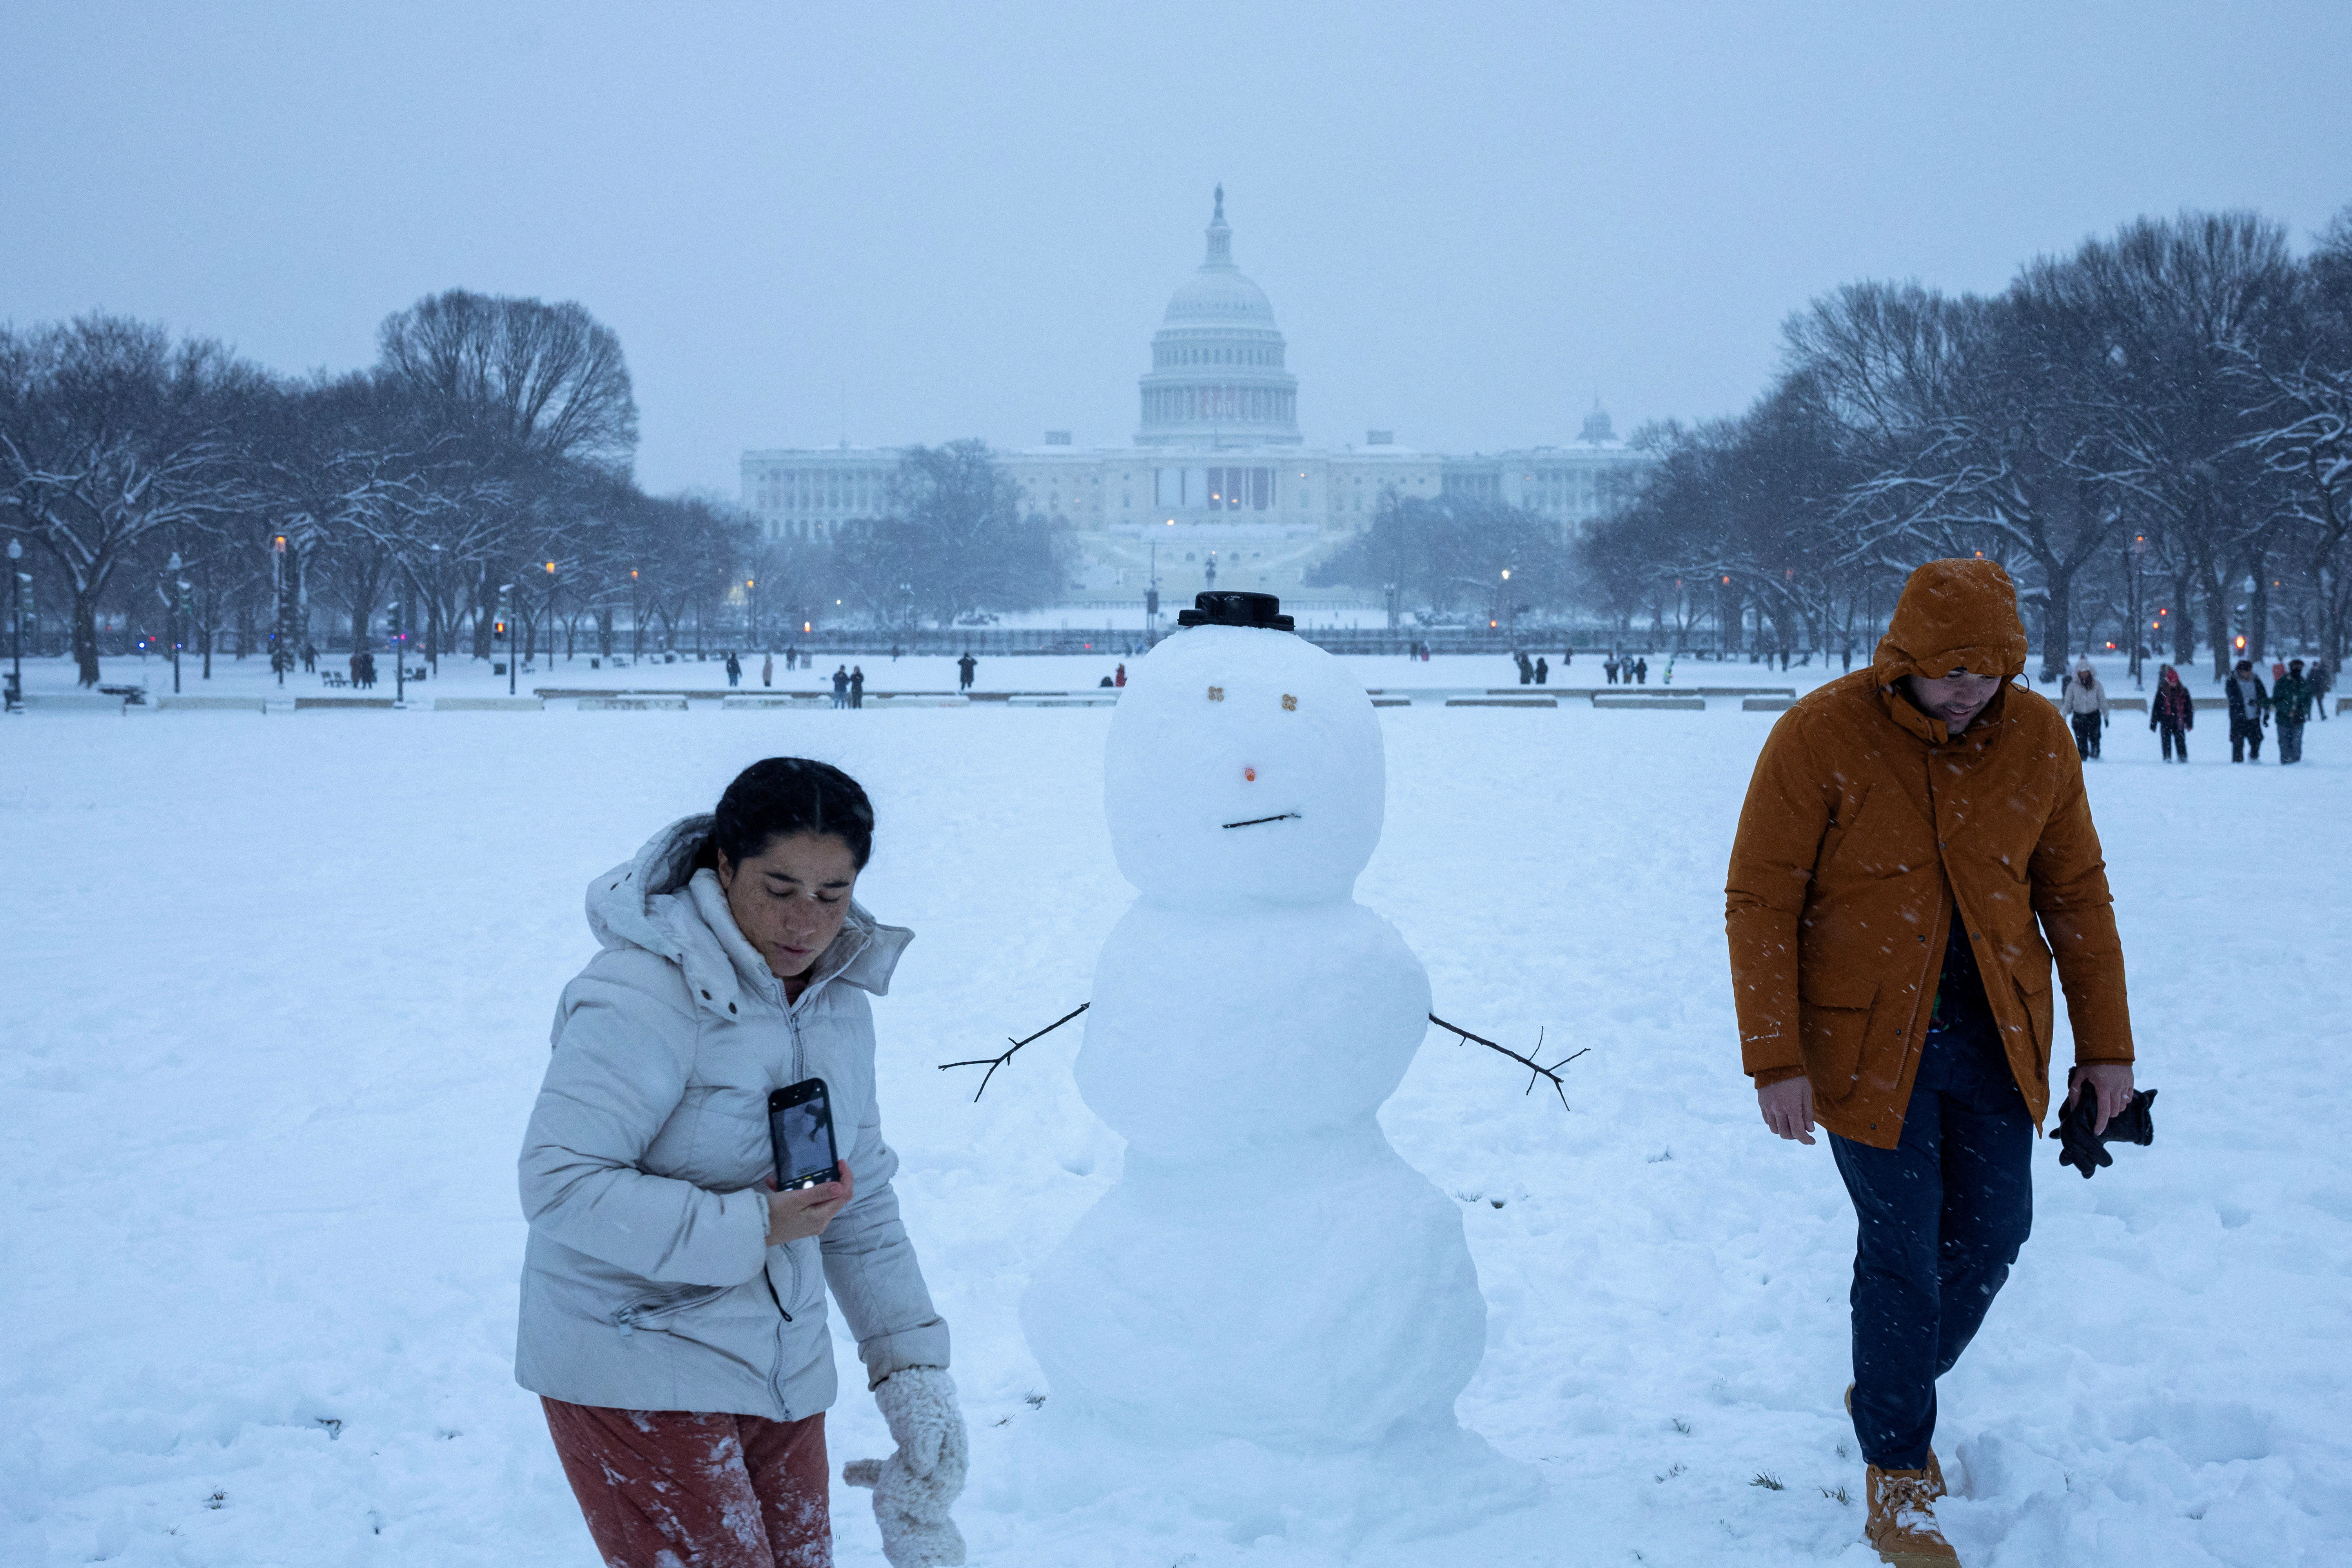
(1244, 763)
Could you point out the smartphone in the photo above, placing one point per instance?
(800, 1130)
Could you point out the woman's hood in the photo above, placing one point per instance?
(649, 901)
(1953, 614)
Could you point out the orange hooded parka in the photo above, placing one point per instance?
(1867, 829)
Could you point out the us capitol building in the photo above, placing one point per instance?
(1218, 488)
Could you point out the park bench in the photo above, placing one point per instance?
(487, 704)
(632, 702)
(131, 695)
(305, 704)
(1683, 704)
(1502, 702)
(208, 702)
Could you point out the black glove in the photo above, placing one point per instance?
(2087, 1150)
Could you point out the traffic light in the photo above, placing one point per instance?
(506, 611)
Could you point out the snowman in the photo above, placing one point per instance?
(1267, 1271)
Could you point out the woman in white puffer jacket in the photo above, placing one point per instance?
(673, 1313)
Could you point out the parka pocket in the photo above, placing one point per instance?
(2033, 989)
(1833, 1023)
(655, 1312)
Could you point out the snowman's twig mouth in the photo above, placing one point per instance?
(1278, 817)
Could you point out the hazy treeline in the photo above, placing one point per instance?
(2154, 434)
(482, 462)
(1451, 557)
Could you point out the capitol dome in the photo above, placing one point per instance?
(1217, 376)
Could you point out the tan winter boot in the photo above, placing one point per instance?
(1902, 1523)
(1935, 1471)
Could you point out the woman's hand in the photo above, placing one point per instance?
(792, 1215)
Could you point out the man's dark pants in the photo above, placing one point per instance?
(2086, 736)
(2244, 734)
(2290, 739)
(1942, 1216)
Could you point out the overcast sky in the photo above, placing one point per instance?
(914, 223)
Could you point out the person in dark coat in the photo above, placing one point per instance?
(310, 659)
(734, 668)
(841, 685)
(1642, 671)
(2171, 713)
(2291, 707)
(1543, 670)
(1526, 670)
(2318, 680)
(358, 663)
(2249, 704)
(965, 667)
(857, 687)
(1610, 670)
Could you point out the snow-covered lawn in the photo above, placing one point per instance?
(275, 1002)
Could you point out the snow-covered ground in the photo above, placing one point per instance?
(275, 1002)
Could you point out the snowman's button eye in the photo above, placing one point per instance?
(1290, 703)
(1216, 694)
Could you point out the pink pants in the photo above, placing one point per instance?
(672, 1489)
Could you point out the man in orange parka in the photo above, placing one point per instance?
(1915, 849)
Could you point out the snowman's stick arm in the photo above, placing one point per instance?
(992, 1063)
(1536, 1069)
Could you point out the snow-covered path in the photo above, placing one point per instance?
(275, 1000)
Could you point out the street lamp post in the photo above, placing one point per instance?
(392, 634)
(172, 618)
(17, 583)
(503, 627)
(551, 615)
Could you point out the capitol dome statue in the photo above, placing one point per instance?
(1217, 378)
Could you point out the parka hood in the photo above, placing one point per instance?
(1954, 615)
(658, 901)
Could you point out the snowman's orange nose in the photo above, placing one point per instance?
(1250, 774)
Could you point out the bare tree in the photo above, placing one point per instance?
(109, 433)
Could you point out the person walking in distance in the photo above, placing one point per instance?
(1642, 671)
(2318, 680)
(2171, 713)
(2291, 708)
(1915, 847)
(767, 669)
(1119, 677)
(841, 685)
(2249, 704)
(1609, 669)
(965, 667)
(1543, 670)
(2085, 703)
(856, 685)
(734, 668)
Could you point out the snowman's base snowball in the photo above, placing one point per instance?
(1417, 1483)
(1315, 1296)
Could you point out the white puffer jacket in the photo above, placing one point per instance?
(647, 1284)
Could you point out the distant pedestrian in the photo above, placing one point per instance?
(2319, 680)
(734, 668)
(359, 662)
(310, 659)
(1543, 670)
(857, 687)
(1526, 670)
(767, 669)
(1610, 670)
(1119, 677)
(791, 657)
(1567, 656)
(2290, 706)
(2249, 706)
(841, 685)
(1642, 671)
(965, 667)
(2171, 713)
(1104, 682)
(894, 653)
(2085, 703)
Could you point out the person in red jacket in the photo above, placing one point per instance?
(2172, 715)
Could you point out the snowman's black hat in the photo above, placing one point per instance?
(1230, 607)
